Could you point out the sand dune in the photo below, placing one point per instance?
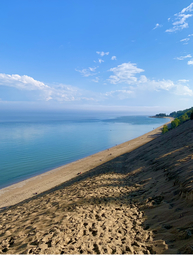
(138, 202)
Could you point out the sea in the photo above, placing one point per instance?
(32, 143)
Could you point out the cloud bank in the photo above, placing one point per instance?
(21, 82)
(127, 73)
(26, 83)
(183, 57)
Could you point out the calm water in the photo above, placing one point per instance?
(35, 143)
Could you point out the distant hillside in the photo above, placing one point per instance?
(180, 117)
(159, 115)
(175, 114)
(180, 113)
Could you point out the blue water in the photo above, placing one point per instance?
(31, 144)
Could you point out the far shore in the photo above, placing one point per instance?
(26, 189)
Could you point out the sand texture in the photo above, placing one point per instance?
(140, 202)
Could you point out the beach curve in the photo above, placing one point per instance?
(26, 189)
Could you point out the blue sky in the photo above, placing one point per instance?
(121, 55)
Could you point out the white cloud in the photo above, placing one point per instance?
(92, 69)
(143, 79)
(124, 73)
(152, 85)
(21, 82)
(185, 40)
(190, 35)
(100, 60)
(183, 57)
(102, 53)
(190, 62)
(26, 83)
(64, 92)
(113, 58)
(180, 19)
(120, 94)
(188, 9)
(163, 84)
(180, 24)
(183, 81)
(87, 72)
(167, 85)
(96, 79)
(183, 91)
(157, 25)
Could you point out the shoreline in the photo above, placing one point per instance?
(29, 188)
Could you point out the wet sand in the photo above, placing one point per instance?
(137, 200)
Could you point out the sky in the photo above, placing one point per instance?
(112, 55)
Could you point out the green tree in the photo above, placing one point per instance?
(183, 118)
(175, 123)
(164, 129)
(160, 115)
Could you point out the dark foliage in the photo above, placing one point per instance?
(160, 115)
(191, 115)
(180, 117)
(165, 129)
(179, 113)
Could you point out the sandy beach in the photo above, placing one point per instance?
(133, 198)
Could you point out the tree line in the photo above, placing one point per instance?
(180, 117)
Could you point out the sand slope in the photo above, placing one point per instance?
(139, 202)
